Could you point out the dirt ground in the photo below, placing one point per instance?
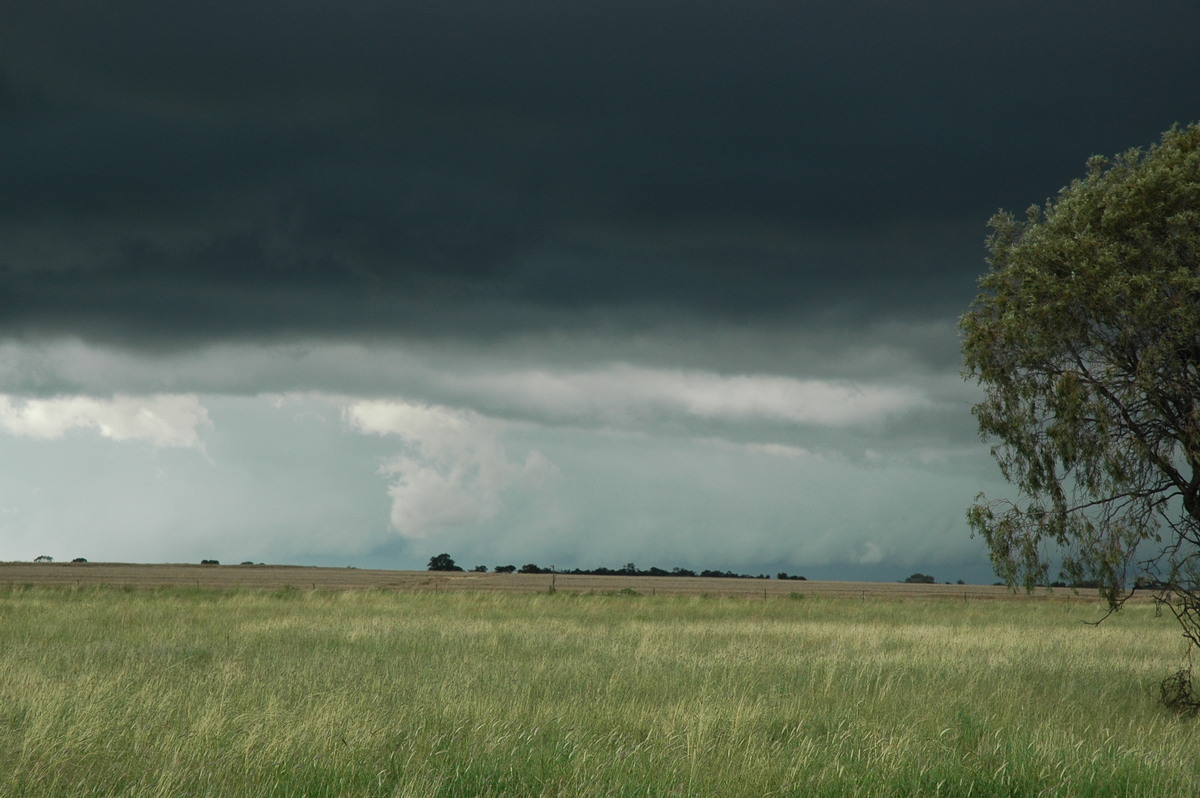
(274, 577)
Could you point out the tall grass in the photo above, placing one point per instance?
(189, 692)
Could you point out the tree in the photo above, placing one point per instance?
(919, 579)
(442, 562)
(1086, 340)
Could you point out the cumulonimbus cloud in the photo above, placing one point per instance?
(454, 469)
(161, 420)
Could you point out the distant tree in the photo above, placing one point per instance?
(442, 562)
(79, 559)
(480, 569)
(531, 568)
(210, 562)
(505, 569)
(920, 579)
(43, 558)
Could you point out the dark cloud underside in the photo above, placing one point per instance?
(215, 170)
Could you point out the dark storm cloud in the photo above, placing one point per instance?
(258, 169)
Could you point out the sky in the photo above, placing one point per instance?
(577, 284)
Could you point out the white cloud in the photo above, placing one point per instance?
(433, 425)
(780, 450)
(851, 386)
(770, 449)
(621, 393)
(455, 470)
(162, 420)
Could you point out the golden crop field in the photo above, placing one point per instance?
(274, 577)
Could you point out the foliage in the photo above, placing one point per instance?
(919, 579)
(1177, 694)
(43, 558)
(1086, 341)
(629, 569)
(443, 562)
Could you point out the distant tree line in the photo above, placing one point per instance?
(925, 579)
(444, 562)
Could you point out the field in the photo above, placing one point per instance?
(274, 577)
(186, 690)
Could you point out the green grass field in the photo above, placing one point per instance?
(180, 692)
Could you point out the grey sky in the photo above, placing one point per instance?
(630, 281)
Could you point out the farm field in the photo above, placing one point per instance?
(274, 577)
(186, 691)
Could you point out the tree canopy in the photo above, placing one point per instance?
(1086, 340)
(443, 562)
